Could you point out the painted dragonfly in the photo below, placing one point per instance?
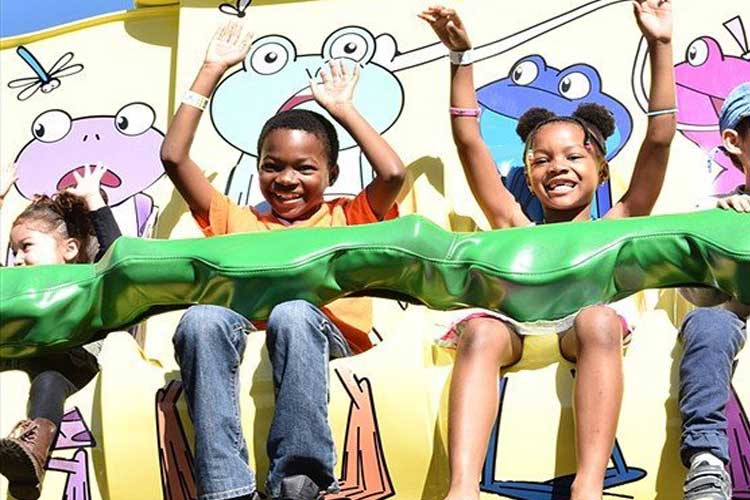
(45, 80)
(238, 9)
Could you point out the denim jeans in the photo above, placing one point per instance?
(712, 338)
(209, 345)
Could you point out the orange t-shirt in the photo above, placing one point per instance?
(353, 316)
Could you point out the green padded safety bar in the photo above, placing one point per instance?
(543, 272)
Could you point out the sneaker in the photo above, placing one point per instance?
(299, 487)
(23, 455)
(705, 481)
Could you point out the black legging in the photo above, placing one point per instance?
(53, 379)
(47, 396)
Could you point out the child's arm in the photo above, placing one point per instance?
(335, 94)
(654, 18)
(8, 177)
(498, 204)
(228, 46)
(88, 187)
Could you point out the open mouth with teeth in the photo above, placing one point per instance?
(560, 187)
(300, 97)
(109, 179)
(286, 198)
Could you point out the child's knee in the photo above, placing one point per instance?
(714, 328)
(49, 381)
(599, 327)
(482, 336)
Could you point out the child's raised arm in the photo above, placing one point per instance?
(498, 204)
(8, 177)
(654, 18)
(334, 93)
(229, 45)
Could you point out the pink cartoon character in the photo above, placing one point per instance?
(126, 143)
(704, 79)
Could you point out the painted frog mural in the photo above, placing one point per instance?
(531, 83)
(274, 77)
(704, 79)
(127, 143)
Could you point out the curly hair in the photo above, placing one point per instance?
(595, 120)
(66, 214)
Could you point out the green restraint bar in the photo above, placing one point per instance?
(543, 272)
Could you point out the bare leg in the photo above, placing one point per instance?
(595, 342)
(485, 345)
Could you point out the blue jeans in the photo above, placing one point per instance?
(712, 338)
(209, 345)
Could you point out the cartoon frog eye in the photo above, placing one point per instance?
(697, 52)
(51, 126)
(524, 73)
(352, 42)
(272, 56)
(574, 85)
(134, 118)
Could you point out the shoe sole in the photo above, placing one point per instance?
(18, 467)
(24, 491)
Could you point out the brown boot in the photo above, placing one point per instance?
(23, 455)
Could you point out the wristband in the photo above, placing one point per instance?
(658, 112)
(464, 111)
(462, 58)
(195, 100)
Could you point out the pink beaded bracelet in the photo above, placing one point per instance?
(464, 111)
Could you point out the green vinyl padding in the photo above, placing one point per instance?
(542, 272)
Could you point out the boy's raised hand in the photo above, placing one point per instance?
(229, 45)
(88, 186)
(654, 18)
(736, 202)
(334, 91)
(448, 26)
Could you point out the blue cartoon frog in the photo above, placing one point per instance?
(275, 78)
(531, 83)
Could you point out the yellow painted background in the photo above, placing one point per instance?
(151, 54)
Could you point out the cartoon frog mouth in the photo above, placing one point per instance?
(300, 97)
(109, 179)
(683, 119)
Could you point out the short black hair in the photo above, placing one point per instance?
(743, 130)
(309, 121)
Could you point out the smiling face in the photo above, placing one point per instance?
(563, 173)
(294, 172)
(32, 245)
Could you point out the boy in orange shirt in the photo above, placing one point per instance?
(298, 151)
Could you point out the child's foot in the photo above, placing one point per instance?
(23, 455)
(707, 481)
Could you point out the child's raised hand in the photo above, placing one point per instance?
(654, 18)
(88, 185)
(8, 177)
(335, 91)
(229, 45)
(448, 26)
(736, 202)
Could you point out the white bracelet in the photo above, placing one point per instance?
(658, 112)
(462, 58)
(195, 99)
